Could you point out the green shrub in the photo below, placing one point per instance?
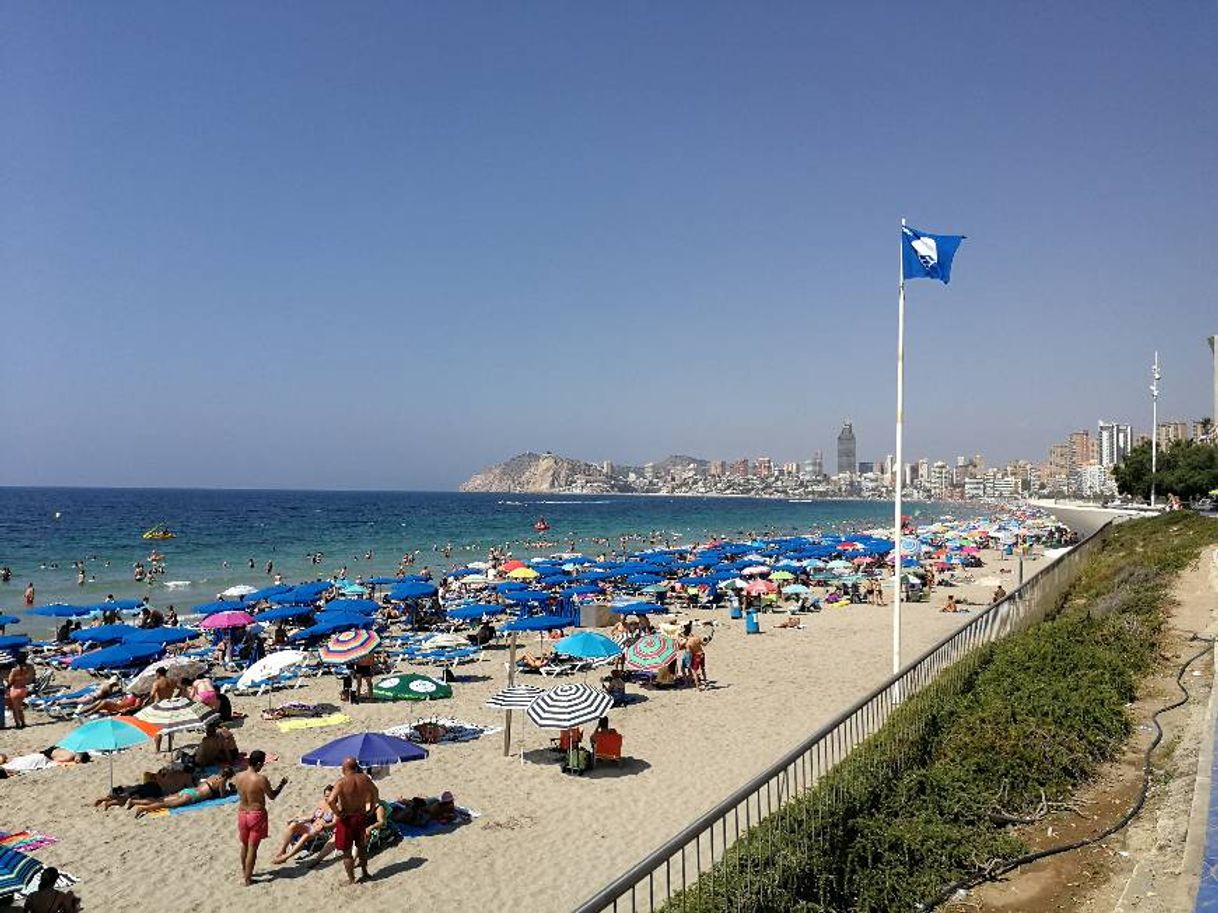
(922, 802)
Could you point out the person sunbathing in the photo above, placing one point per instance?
(791, 621)
(213, 787)
(156, 785)
(111, 706)
(529, 661)
(49, 900)
(301, 831)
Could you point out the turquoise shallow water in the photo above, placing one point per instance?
(43, 527)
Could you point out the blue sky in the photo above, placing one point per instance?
(380, 245)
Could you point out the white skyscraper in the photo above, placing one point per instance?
(1116, 440)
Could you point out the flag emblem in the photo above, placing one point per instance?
(927, 256)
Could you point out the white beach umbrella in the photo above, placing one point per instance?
(446, 640)
(569, 705)
(269, 666)
(517, 697)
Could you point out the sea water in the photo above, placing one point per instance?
(44, 530)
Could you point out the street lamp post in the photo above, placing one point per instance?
(1155, 374)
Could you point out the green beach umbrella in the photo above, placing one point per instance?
(410, 688)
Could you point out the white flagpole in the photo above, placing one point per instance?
(900, 467)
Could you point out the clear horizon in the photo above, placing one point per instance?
(383, 250)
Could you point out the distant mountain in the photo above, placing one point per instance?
(538, 473)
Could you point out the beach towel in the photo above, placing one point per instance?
(454, 730)
(26, 841)
(334, 719)
(206, 803)
(409, 831)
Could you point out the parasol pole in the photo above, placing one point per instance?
(507, 714)
(900, 467)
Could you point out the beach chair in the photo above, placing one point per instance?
(567, 739)
(607, 746)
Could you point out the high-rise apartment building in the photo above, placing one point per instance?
(1115, 442)
(847, 454)
(740, 469)
(1170, 432)
(818, 464)
(717, 469)
(765, 466)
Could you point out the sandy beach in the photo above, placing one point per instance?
(543, 841)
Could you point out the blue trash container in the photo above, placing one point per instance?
(736, 611)
(751, 624)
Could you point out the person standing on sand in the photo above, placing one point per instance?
(253, 823)
(352, 798)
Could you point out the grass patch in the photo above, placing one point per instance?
(927, 800)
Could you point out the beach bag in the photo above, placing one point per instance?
(579, 759)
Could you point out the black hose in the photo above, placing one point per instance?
(992, 873)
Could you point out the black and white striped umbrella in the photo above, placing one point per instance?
(569, 705)
(176, 714)
(518, 697)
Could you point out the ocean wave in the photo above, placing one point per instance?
(527, 503)
(175, 584)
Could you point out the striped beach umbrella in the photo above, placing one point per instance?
(348, 646)
(569, 705)
(177, 714)
(111, 734)
(651, 652)
(16, 870)
(517, 697)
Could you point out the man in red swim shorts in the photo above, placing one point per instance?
(252, 822)
(353, 796)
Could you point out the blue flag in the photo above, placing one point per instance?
(928, 256)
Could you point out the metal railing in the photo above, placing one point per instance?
(686, 869)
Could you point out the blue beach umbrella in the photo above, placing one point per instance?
(9, 620)
(523, 596)
(279, 613)
(16, 871)
(537, 623)
(587, 645)
(363, 606)
(61, 610)
(103, 633)
(413, 590)
(119, 605)
(111, 734)
(640, 608)
(643, 580)
(14, 642)
(267, 592)
(160, 636)
(584, 589)
(474, 612)
(326, 628)
(370, 749)
(221, 605)
(384, 581)
(118, 657)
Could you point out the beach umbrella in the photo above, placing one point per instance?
(526, 596)
(523, 573)
(640, 608)
(384, 581)
(362, 606)
(340, 621)
(236, 592)
(755, 570)
(227, 619)
(348, 646)
(269, 666)
(267, 592)
(220, 605)
(475, 611)
(782, 575)
(760, 588)
(160, 636)
(62, 610)
(587, 645)
(110, 734)
(14, 642)
(643, 580)
(651, 652)
(797, 588)
(117, 657)
(413, 590)
(410, 688)
(103, 633)
(177, 714)
(517, 697)
(569, 705)
(176, 667)
(9, 620)
(280, 613)
(16, 871)
(510, 566)
(441, 641)
(370, 749)
(585, 589)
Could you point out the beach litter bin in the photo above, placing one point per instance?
(751, 624)
(736, 611)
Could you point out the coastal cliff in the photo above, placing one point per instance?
(543, 472)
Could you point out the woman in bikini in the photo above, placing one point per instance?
(212, 788)
(19, 681)
(302, 830)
